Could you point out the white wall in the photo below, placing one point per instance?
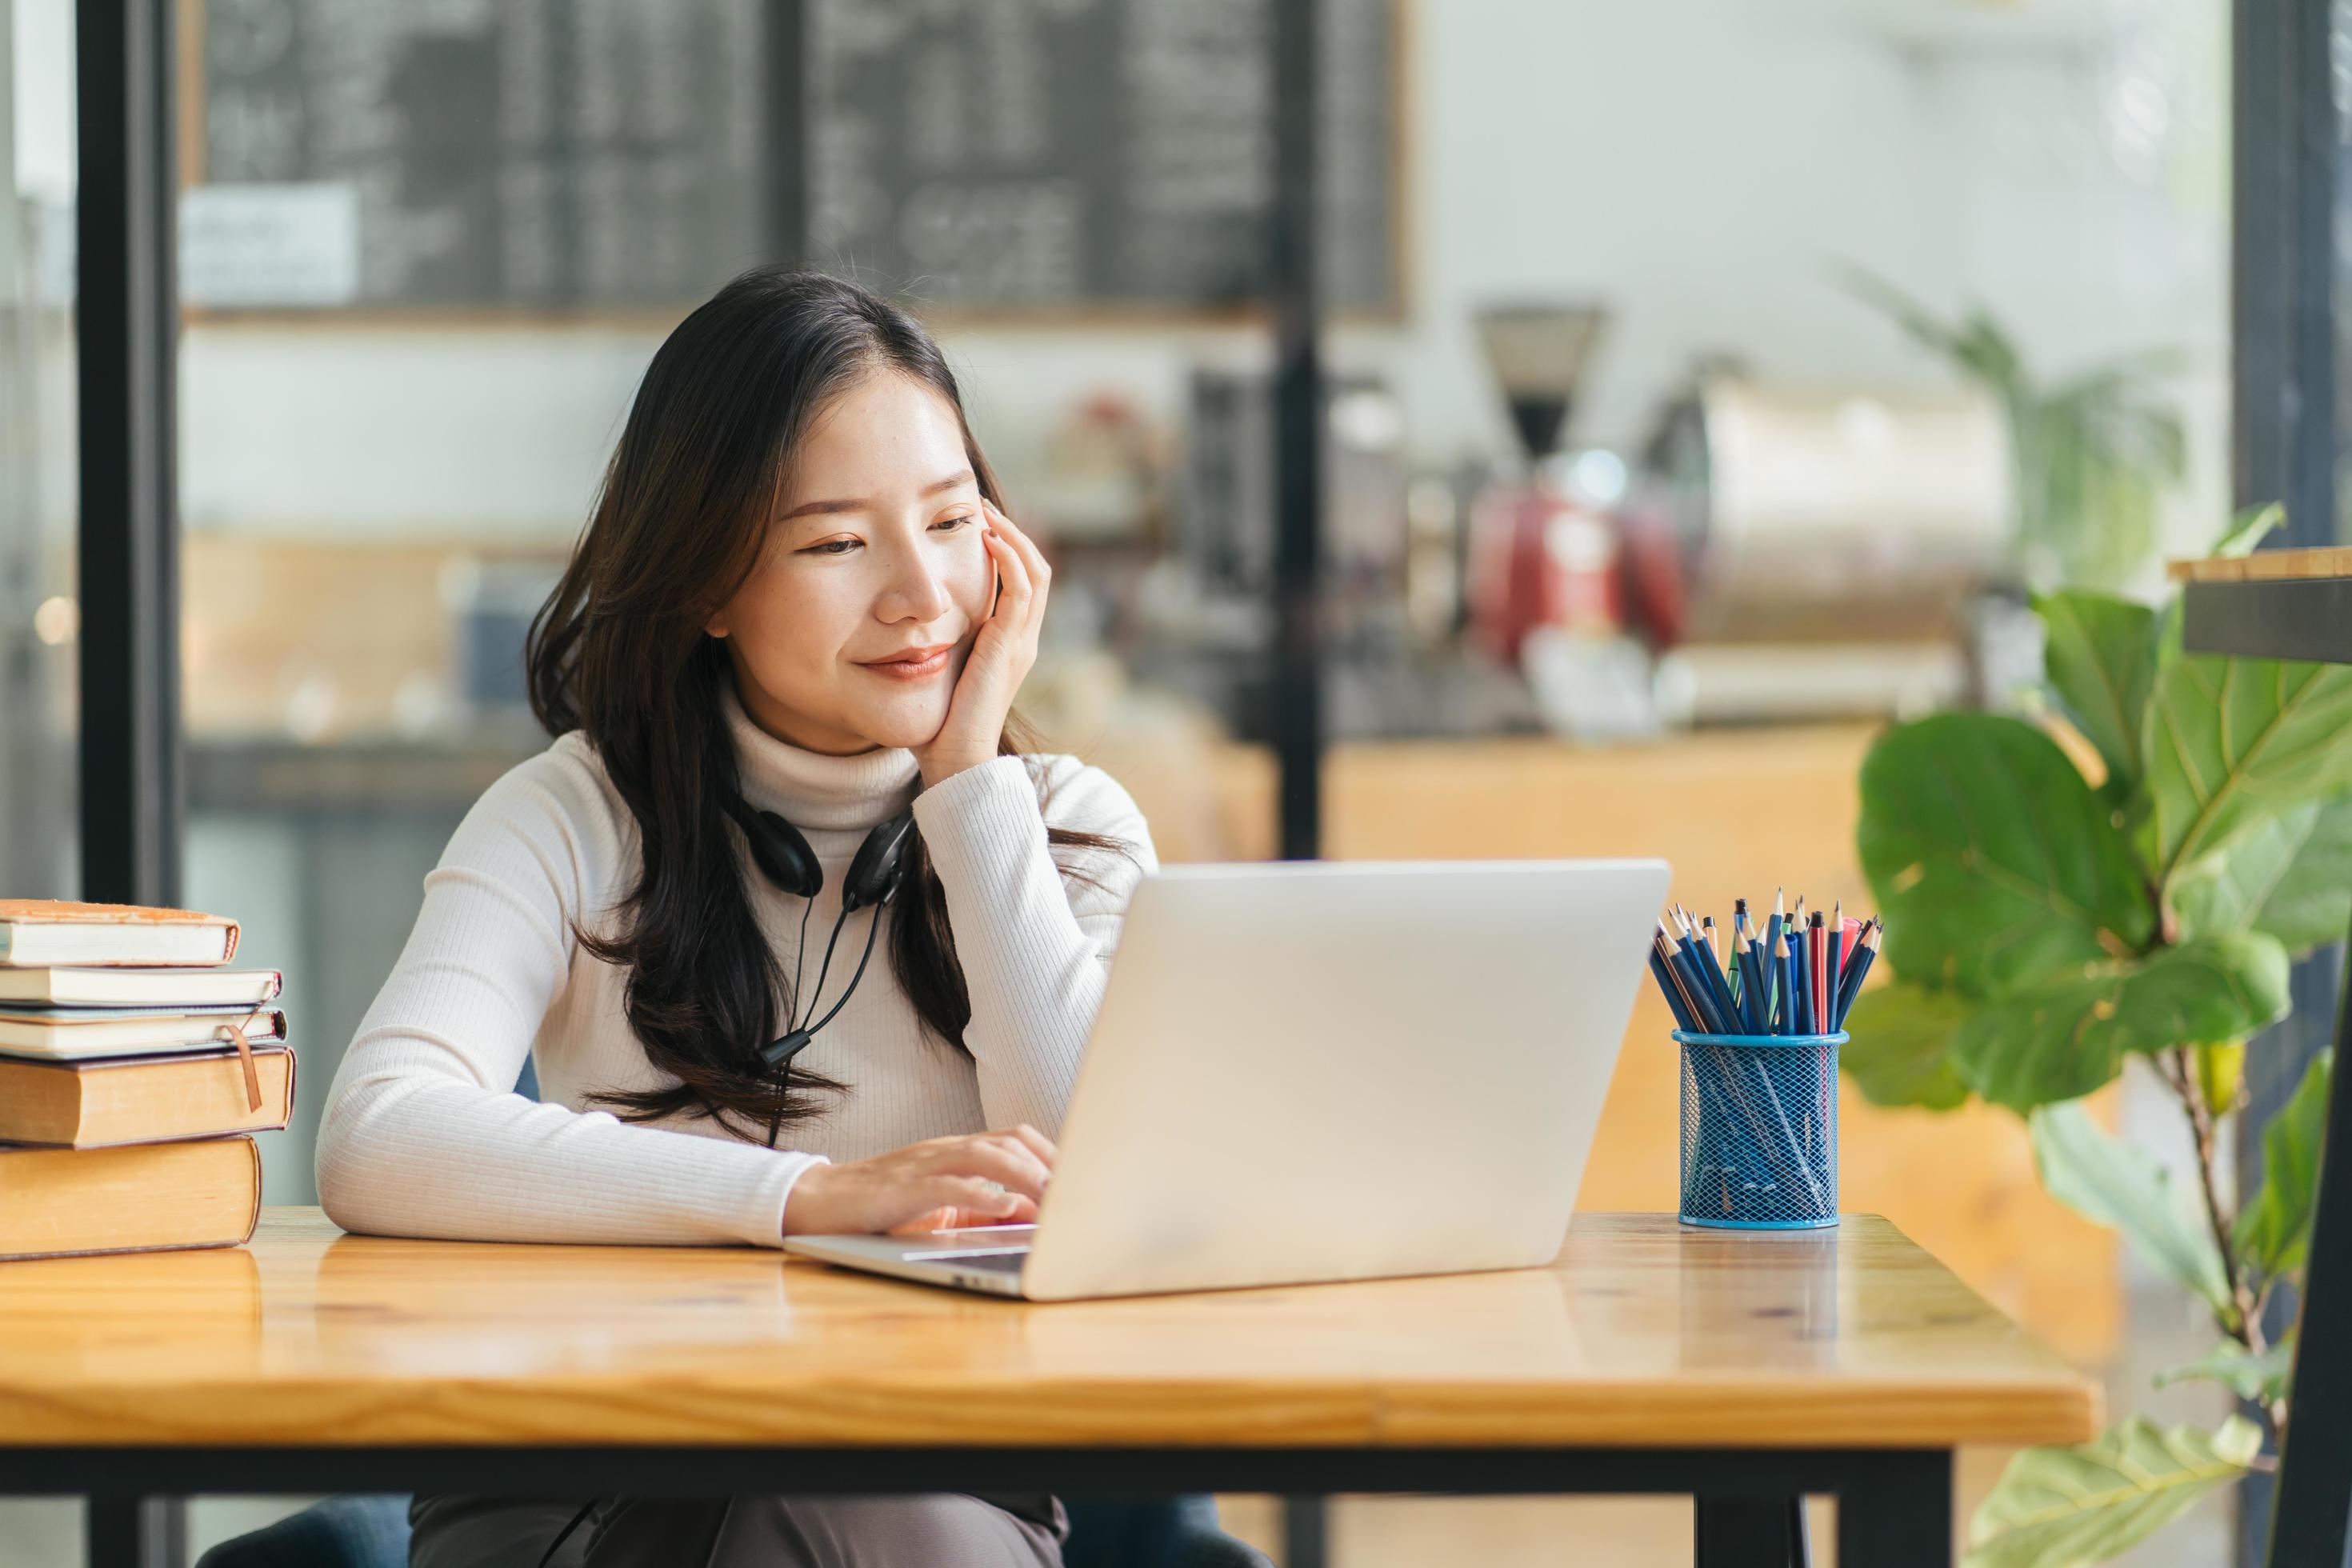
(1702, 165)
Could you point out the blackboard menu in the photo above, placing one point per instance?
(1087, 152)
(546, 153)
(1012, 154)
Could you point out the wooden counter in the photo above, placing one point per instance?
(1645, 1333)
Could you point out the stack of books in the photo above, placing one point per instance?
(132, 1064)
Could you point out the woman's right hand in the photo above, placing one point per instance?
(982, 1178)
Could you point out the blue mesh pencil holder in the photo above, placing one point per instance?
(1759, 1130)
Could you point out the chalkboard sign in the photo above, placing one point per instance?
(550, 152)
(1087, 152)
(1019, 154)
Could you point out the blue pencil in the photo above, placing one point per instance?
(1753, 992)
(1836, 967)
(1688, 965)
(1667, 983)
(1679, 966)
(1718, 990)
(1791, 970)
(1866, 950)
(1686, 987)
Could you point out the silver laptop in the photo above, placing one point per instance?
(1324, 1072)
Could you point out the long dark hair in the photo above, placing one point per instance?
(619, 652)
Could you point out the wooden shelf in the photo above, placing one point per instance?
(2266, 567)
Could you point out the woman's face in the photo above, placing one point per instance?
(851, 630)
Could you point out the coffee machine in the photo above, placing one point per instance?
(1538, 557)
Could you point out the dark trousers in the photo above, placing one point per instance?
(758, 1532)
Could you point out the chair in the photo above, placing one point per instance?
(1158, 1532)
(373, 1533)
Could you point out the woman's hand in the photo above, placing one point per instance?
(985, 1178)
(1000, 657)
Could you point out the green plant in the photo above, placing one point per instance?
(2090, 455)
(2043, 926)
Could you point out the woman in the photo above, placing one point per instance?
(797, 594)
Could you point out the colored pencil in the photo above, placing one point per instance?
(1785, 962)
(1801, 972)
(1716, 991)
(1795, 973)
(1833, 970)
(1865, 954)
(1817, 953)
(1695, 982)
(1672, 989)
(1663, 944)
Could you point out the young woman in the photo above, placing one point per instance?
(797, 594)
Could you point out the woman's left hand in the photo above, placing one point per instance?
(1001, 655)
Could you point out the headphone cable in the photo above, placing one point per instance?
(843, 1000)
(799, 951)
(824, 968)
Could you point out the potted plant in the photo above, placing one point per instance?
(2047, 923)
(2091, 456)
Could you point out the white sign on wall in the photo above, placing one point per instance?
(270, 245)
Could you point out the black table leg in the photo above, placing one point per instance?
(2308, 1520)
(1306, 1538)
(136, 1533)
(1900, 1515)
(1749, 1532)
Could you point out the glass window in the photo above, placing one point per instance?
(39, 850)
(38, 854)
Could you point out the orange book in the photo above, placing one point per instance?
(37, 932)
(142, 1099)
(140, 1197)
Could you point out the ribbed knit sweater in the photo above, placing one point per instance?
(424, 1134)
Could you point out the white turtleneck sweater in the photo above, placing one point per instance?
(424, 1134)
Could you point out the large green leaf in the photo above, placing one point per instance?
(2273, 1232)
(2252, 1377)
(1995, 866)
(2055, 1508)
(1899, 1049)
(2289, 876)
(2100, 657)
(2121, 1186)
(2248, 528)
(2232, 743)
(2066, 1037)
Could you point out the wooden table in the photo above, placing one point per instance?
(1745, 1369)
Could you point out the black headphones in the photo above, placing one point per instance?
(785, 858)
